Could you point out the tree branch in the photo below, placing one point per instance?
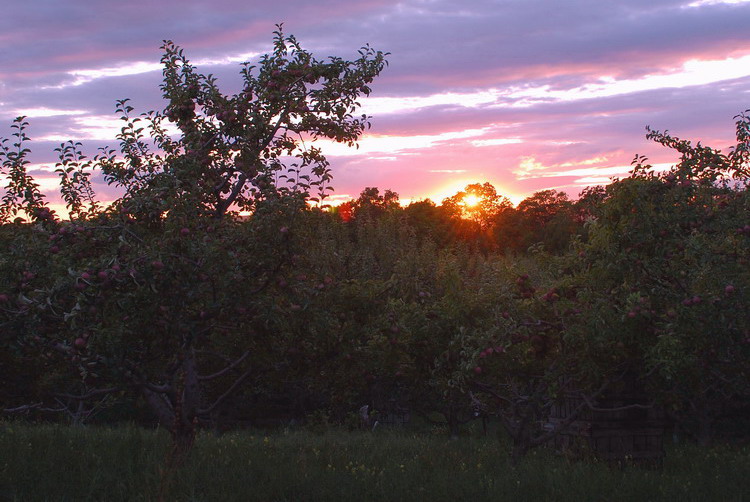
(225, 370)
(36, 406)
(220, 399)
(88, 395)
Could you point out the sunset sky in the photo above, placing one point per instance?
(525, 94)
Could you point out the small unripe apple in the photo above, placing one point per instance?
(478, 370)
(184, 231)
(729, 289)
(157, 264)
(80, 342)
(3, 298)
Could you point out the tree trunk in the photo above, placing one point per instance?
(451, 418)
(176, 408)
(521, 446)
(705, 428)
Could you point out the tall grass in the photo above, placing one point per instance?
(62, 463)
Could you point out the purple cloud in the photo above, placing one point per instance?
(528, 94)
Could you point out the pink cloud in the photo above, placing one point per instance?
(490, 83)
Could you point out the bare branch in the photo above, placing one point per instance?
(88, 395)
(225, 370)
(220, 399)
(36, 406)
(592, 407)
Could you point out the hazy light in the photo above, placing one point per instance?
(450, 189)
(692, 73)
(385, 105)
(529, 167)
(91, 127)
(471, 200)
(100, 128)
(85, 76)
(45, 112)
(47, 185)
(372, 143)
(139, 67)
(700, 3)
(496, 142)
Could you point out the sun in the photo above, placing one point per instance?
(471, 200)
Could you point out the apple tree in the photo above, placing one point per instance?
(165, 293)
(666, 265)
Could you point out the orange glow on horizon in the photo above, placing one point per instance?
(438, 194)
(471, 200)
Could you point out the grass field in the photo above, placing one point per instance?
(59, 463)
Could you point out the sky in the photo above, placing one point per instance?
(528, 95)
